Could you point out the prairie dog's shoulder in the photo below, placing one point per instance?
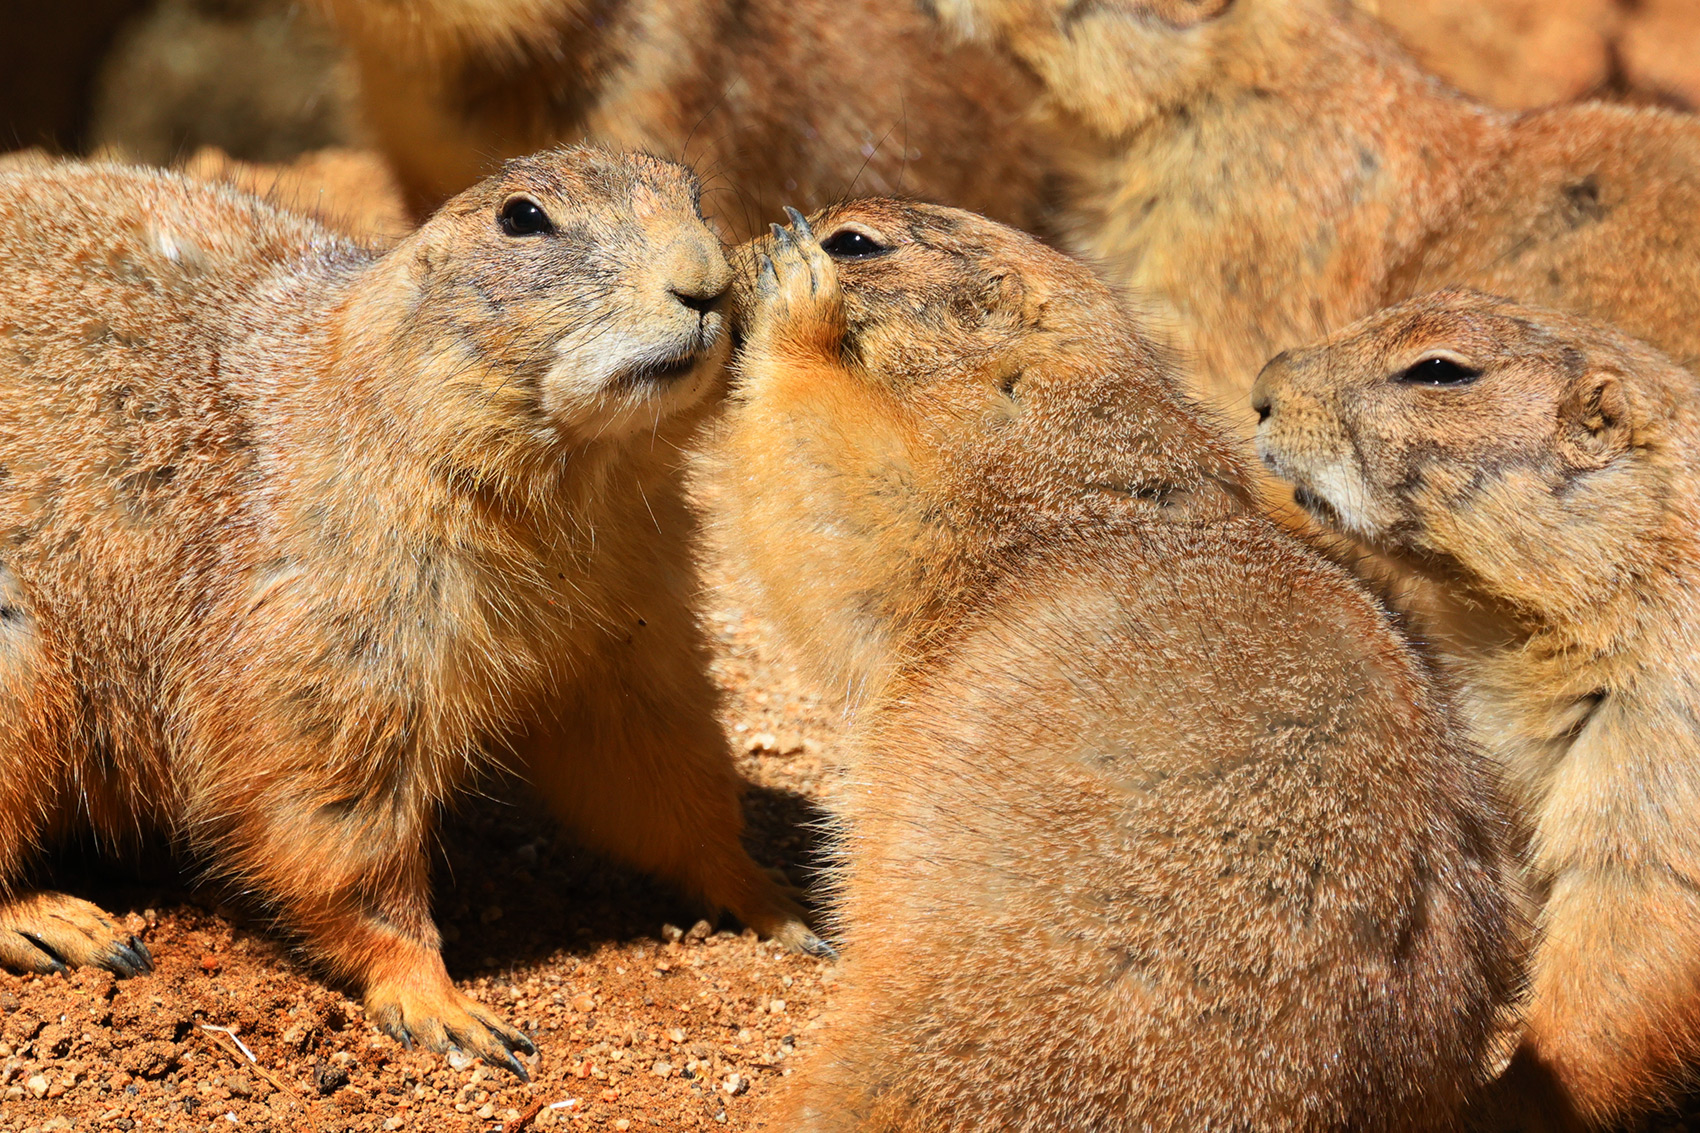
(91, 197)
(125, 278)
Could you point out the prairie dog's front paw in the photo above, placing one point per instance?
(49, 932)
(428, 1010)
(798, 306)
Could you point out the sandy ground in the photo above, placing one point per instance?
(645, 1016)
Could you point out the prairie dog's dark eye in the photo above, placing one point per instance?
(849, 244)
(1439, 371)
(522, 216)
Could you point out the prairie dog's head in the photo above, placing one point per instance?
(979, 342)
(1115, 63)
(572, 299)
(1523, 453)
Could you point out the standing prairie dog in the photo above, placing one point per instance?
(1150, 820)
(296, 537)
(773, 101)
(1268, 171)
(1538, 475)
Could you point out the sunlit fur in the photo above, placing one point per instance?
(775, 102)
(1267, 171)
(1549, 514)
(1149, 820)
(292, 545)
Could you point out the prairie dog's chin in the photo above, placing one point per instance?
(613, 385)
(1336, 498)
(1331, 493)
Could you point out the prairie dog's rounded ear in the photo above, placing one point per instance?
(1003, 294)
(1594, 420)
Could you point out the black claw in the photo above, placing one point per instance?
(521, 1042)
(124, 961)
(783, 237)
(800, 222)
(141, 949)
(514, 1064)
(815, 946)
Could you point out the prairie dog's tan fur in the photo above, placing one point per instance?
(1549, 507)
(1150, 822)
(773, 101)
(297, 536)
(1271, 170)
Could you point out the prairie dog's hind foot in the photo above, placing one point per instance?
(425, 1008)
(44, 932)
(780, 916)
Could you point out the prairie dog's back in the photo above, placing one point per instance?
(125, 432)
(1179, 833)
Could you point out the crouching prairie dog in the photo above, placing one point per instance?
(773, 101)
(1269, 171)
(1150, 821)
(1536, 474)
(296, 537)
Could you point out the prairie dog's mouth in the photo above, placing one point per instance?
(1316, 506)
(660, 371)
(667, 362)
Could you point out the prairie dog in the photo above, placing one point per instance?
(1271, 170)
(1150, 820)
(297, 537)
(773, 101)
(1536, 474)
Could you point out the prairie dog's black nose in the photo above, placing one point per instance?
(702, 300)
(1260, 405)
(696, 271)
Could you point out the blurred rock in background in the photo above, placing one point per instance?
(262, 80)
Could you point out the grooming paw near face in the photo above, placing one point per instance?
(797, 309)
